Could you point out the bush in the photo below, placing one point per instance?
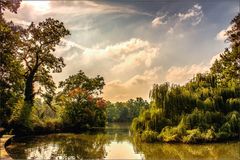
(173, 134)
(209, 136)
(169, 134)
(136, 126)
(234, 104)
(20, 119)
(233, 118)
(192, 136)
(149, 136)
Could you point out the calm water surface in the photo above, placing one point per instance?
(114, 143)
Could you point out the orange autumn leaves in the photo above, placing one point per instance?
(99, 101)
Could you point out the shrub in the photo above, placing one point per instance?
(173, 134)
(149, 136)
(233, 118)
(20, 119)
(234, 104)
(136, 126)
(192, 136)
(210, 135)
(168, 134)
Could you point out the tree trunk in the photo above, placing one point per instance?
(29, 95)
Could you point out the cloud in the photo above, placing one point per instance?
(214, 58)
(221, 36)
(170, 31)
(181, 75)
(158, 21)
(195, 14)
(78, 8)
(40, 6)
(121, 59)
(136, 86)
(134, 53)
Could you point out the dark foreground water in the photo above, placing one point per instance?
(114, 143)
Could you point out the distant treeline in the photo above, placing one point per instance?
(125, 111)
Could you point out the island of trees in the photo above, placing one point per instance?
(205, 109)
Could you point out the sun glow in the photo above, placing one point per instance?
(42, 6)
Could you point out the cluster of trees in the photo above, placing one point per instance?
(27, 61)
(125, 111)
(205, 109)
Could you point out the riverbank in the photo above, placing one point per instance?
(3, 153)
(110, 144)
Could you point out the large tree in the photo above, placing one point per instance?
(233, 35)
(38, 44)
(158, 94)
(11, 5)
(82, 105)
(11, 82)
(227, 68)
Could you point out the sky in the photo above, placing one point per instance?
(135, 43)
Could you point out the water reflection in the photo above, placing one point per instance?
(114, 143)
(186, 151)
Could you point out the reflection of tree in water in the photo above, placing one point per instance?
(73, 146)
(185, 151)
(93, 146)
(68, 146)
(84, 146)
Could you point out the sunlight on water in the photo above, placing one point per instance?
(114, 143)
(121, 150)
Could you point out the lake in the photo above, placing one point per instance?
(114, 143)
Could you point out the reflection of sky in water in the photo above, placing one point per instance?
(49, 151)
(121, 150)
(114, 144)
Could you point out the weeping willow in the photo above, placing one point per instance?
(205, 109)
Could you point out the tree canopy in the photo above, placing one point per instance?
(38, 44)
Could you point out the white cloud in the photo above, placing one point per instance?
(119, 59)
(221, 36)
(214, 58)
(181, 75)
(181, 35)
(40, 6)
(158, 21)
(91, 7)
(73, 44)
(195, 14)
(170, 31)
(136, 86)
(139, 53)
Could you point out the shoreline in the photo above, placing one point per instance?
(4, 140)
(96, 130)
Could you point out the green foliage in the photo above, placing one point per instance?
(82, 107)
(173, 134)
(203, 110)
(125, 111)
(38, 45)
(193, 136)
(11, 69)
(149, 136)
(11, 5)
(20, 118)
(149, 120)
